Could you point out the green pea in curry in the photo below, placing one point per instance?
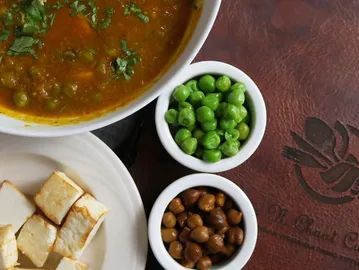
(80, 58)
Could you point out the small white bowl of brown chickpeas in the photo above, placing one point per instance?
(202, 221)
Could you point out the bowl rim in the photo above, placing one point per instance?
(186, 56)
(258, 113)
(210, 180)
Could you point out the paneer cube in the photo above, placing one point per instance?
(15, 208)
(36, 239)
(57, 195)
(81, 224)
(8, 247)
(68, 264)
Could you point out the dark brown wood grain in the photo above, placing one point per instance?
(304, 56)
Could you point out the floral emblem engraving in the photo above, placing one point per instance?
(323, 164)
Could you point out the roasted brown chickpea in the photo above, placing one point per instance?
(200, 234)
(228, 250)
(222, 231)
(210, 231)
(169, 220)
(235, 236)
(220, 199)
(202, 191)
(176, 206)
(228, 204)
(216, 258)
(182, 219)
(169, 235)
(234, 217)
(202, 228)
(184, 235)
(194, 221)
(207, 202)
(204, 263)
(215, 243)
(190, 197)
(176, 250)
(192, 252)
(217, 218)
(188, 264)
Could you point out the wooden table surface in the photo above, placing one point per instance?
(304, 56)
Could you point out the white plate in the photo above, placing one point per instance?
(122, 241)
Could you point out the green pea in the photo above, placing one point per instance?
(242, 113)
(204, 114)
(186, 117)
(196, 98)
(207, 83)
(231, 135)
(189, 146)
(36, 72)
(182, 134)
(87, 55)
(209, 126)
(171, 116)
(69, 55)
(211, 101)
(112, 52)
(52, 104)
(21, 98)
(220, 109)
(193, 85)
(198, 134)
(199, 152)
(243, 130)
(236, 97)
(184, 104)
(212, 156)
(192, 127)
(181, 93)
(211, 140)
(97, 97)
(230, 148)
(232, 112)
(56, 89)
(220, 133)
(240, 86)
(70, 89)
(218, 95)
(227, 124)
(223, 83)
(8, 79)
(246, 119)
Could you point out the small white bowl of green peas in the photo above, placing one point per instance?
(212, 118)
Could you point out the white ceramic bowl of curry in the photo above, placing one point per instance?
(21, 122)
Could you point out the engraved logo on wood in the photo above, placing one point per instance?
(323, 164)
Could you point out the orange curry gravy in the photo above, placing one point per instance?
(72, 73)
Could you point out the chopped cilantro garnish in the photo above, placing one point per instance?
(106, 21)
(4, 34)
(8, 18)
(123, 67)
(58, 5)
(90, 10)
(133, 8)
(36, 19)
(23, 45)
(37, 16)
(78, 8)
